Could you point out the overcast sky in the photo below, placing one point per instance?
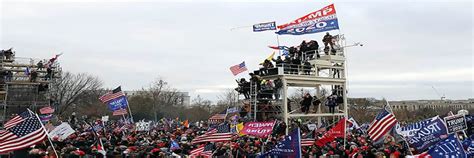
(408, 46)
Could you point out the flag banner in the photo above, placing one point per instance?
(239, 68)
(450, 147)
(456, 123)
(218, 118)
(22, 132)
(116, 93)
(46, 118)
(279, 47)
(468, 144)
(118, 103)
(335, 132)
(119, 112)
(258, 129)
(233, 110)
(321, 20)
(270, 58)
(174, 145)
(288, 147)
(428, 135)
(352, 124)
(142, 126)
(411, 129)
(382, 124)
(219, 134)
(46, 110)
(62, 131)
(264, 26)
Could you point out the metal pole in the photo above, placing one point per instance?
(47, 134)
(129, 110)
(278, 42)
(5, 104)
(285, 103)
(254, 100)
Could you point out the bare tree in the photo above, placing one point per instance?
(162, 96)
(202, 103)
(71, 89)
(229, 97)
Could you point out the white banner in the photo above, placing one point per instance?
(62, 131)
(142, 126)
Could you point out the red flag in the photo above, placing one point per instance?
(335, 132)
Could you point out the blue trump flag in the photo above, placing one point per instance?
(289, 147)
(468, 144)
(264, 26)
(428, 135)
(450, 147)
(118, 103)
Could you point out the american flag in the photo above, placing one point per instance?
(204, 150)
(117, 92)
(308, 139)
(16, 119)
(22, 134)
(382, 124)
(237, 69)
(307, 142)
(46, 110)
(219, 134)
(119, 112)
(219, 117)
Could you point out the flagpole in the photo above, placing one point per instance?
(97, 135)
(404, 140)
(47, 134)
(129, 110)
(278, 43)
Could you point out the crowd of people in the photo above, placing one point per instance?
(296, 58)
(266, 91)
(173, 138)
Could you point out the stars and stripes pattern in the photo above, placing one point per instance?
(46, 110)
(116, 93)
(203, 150)
(308, 139)
(119, 112)
(219, 134)
(381, 125)
(208, 151)
(307, 142)
(450, 147)
(16, 119)
(239, 68)
(218, 118)
(22, 134)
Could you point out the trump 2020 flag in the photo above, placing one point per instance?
(289, 147)
(450, 147)
(321, 20)
(428, 135)
(118, 103)
(264, 26)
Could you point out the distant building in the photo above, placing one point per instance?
(412, 105)
(183, 97)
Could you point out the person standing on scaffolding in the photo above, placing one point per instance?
(306, 103)
(8, 54)
(327, 40)
(33, 76)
